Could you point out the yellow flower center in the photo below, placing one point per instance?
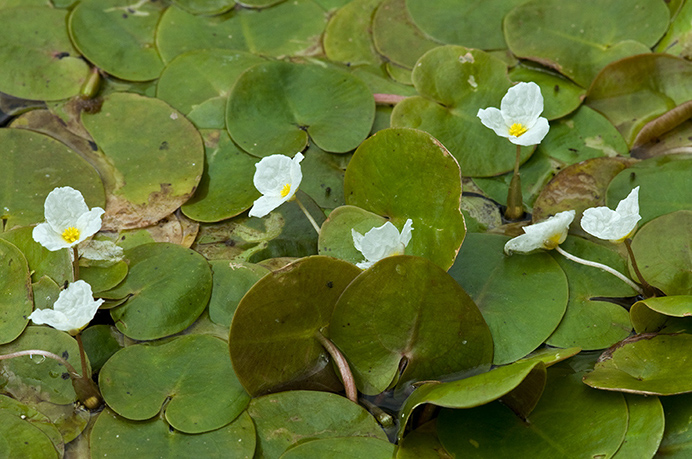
(517, 129)
(552, 242)
(285, 190)
(71, 234)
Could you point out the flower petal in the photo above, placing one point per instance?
(89, 223)
(265, 204)
(613, 225)
(272, 173)
(74, 308)
(62, 208)
(405, 237)
(534, 135)
(381, 242)
(492, 118)
(547, 234)
(522, 104)
(44, 234)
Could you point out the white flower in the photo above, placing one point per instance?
(518, 118)
(381, 242)
(613, 225)
(73, 310)
(547, 234)
(68, 220)
(277, 177)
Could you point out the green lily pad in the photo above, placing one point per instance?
(342, 448)
(206, 7)
(42, 262)
(664, 254)
(285, 419)
(100, 343)
(454, 83)
(665, 185)
(579, 39)
(651, 314)
(273, 107)
(117, 437)
(35, 45)
(133, 56)
(645, 428)
(167, 287)
(396, 36)
(590, 322)
(397, 315)
(422, 443)
(323, 176)
(232, 280)
(568, 421)
(103, 278)
(157, 153)
(478, 390)
(273, 334)
(190, 375)
(678, 39)
(347, 37)
(677, 437)
(198, 83)
(560, 96)
(646, 364)
(50, 164)
(504, 288)
(336, 239)
(476, 24)
(226, 187)
(386, 176)
(27, 433)
(46, 293)
(630, 102)
(15, 282)
(37, 378)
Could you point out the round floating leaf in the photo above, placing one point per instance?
(405, 312)
(590, 322)
(569, 421)
(27, 433)
(579, 39)
(678, 39)
(167, 288)
(226, 187)
(396, 37)
(32, 176)
(198, 82)
(206, 7)
(42, 262)
(116, 437)
(15, 283)
(677, 437)
(645, 427)
(478, 390)
(422, 443)
(38, 378)
(157, 153)
(664, 254)
(347, 36)
(476, 24)
(191, 373)
(387, 176)
(342, 448)
(35, 45)
(560, 95)
(649, 315)
(646, 364)
(273, 107)
(336, 239)
(273, 334)
(629, 102)
(103, 278)
(454, 83)
(323, 176)
(100, 343)
(287, 418)
(231, 282)
(46, 293)
(665, 185)
(133, 56)
(505, 288)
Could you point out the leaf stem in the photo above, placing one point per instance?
(75, 263)
(342, 364)
(515, 201)
(388, 99)
(307, 214)
(605, 268)
(648, 289)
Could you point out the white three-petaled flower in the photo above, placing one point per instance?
(381, 242)
(68, 220)
(547, 234)
(73, 310)
(277, 177)
(518, 118)
(613, 225)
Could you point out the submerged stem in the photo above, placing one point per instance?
(307, 214)
(342, 364)
(75, 263)
(606, 268)
(515, 201)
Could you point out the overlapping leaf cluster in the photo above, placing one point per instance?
(211, 342)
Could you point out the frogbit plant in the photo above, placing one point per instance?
(518, 120)
(278, 177)
(381, 242)
(72, 311)
(548, 235)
